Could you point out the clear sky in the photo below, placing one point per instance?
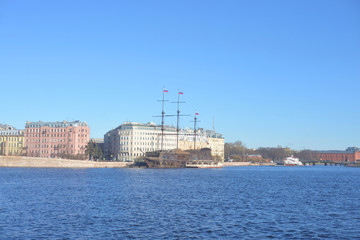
(269, 72)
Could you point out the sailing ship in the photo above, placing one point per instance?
(177, 158)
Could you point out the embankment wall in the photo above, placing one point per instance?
(16, 161)
(237, 164)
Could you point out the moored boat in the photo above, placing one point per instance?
(177, 158)
(292, 161)
(204, 164)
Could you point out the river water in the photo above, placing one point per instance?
(314, 202)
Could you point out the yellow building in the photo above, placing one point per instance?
(11, 140)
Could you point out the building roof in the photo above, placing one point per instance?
(55, 124)
(213, 134)
(348, 150)
(97, 140)
(353, 149)
(336, 151)
(131, 125)
(11, 132)
(6, 127)
(152, 125)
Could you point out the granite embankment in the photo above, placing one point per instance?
(16, 161)
(237, 164)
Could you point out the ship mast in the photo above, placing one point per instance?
(195, 120)
(178, 118)
(162, 118)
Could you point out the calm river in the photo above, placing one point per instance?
(231, 203)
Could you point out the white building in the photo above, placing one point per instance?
(216, 142)
(132, 140)
(204, 139)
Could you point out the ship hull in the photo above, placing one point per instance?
(152, 163)
(203, 166)
(177, 158)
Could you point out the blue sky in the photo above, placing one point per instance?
(269, 72)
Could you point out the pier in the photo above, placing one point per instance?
(326, 163)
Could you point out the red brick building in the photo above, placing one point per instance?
(56, 139)
(351, 155)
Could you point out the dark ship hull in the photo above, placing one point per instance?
(155, 163)
(176, 158)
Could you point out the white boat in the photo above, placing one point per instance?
(203, 164)
(292, 161)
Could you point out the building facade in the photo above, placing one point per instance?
(56, 139)
(216, 143)
(11, 141)
(132, 140)
(204, 139)
(189, 140)
(350, 155)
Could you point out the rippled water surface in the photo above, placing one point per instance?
(229, 203)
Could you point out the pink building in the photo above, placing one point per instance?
(56, 139)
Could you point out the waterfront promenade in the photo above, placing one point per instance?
(17, 161)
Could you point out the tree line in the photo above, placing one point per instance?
(237, 151)
(93, 151)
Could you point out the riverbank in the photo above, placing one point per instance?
(239, 164)
(34, 162)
